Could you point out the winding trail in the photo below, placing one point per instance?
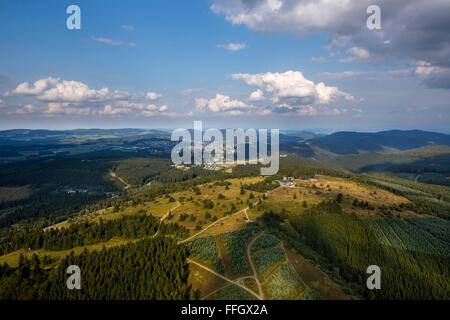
(165, 216)
(261, 292)
(225, 278)
(170, 210)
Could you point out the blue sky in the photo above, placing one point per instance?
(168, 63)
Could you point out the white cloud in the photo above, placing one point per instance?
(358, 54)
(411, 29)
(301, 17)
(305, 110)
(257, 95)
(232, 46)
(113, 42)
(76, 98)
(38, 88)
(108, 41)
(264, 112)
(153, 95)
(29, 108)
(2, 103)
(424, 72)
(112, 111)
(128, 28)
(53, 89)
(65, 108)
(292, 87)
(220, 103)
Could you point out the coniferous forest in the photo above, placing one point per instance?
(153, 268)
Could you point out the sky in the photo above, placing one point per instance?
(287, 64)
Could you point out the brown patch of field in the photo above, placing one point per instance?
(204, 281)
(315, 278)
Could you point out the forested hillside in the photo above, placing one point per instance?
(153, 268)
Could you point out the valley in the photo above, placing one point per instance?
(308, 232)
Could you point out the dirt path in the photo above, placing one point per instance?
(164, 217)
(225, 278)
(246, 215)
(260, 289)
(114, 175)
(226, 217)
(210, 225)
(170, 210)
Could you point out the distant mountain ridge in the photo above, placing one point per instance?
(347, 142)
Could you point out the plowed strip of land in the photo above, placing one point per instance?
(315, 278)
(225, 257)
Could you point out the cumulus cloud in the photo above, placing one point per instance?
(112, 111)
(221, 103)
(432, 76)
(29, 108)
(257, 95)
(55, 89)
(54, 108)
(232, 46)
(76, 98)
(38, 88)
(288, 92)
(358, 54)
(153, 95)
(292, 87)
(411, 29)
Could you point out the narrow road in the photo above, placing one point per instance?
(261, 292)
(164, 216)
(246, 215)
(81, 217)
(225, 278)
(223, 218)
(209, 226)
(114, 175)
